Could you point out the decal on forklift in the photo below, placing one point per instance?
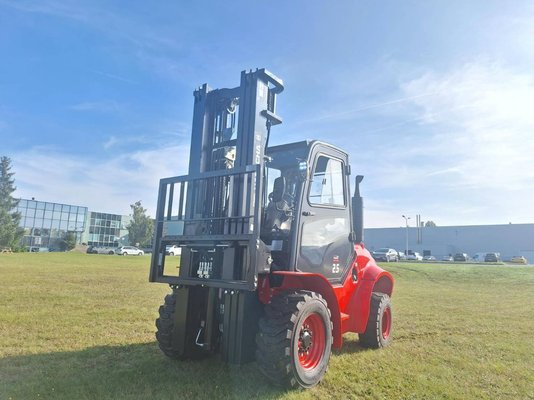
(335, 265)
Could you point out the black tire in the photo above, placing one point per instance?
(165, 325)
(164, 334)
(378, 331)
(111, 252)
(124, 254)
(294, 342)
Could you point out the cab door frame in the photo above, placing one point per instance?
(308, 212)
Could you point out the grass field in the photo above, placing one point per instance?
(77, 326)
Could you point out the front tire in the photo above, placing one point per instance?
(165, 325)
(124, 254)
(294, 342)
(378, 331)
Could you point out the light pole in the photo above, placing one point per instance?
(406, 219)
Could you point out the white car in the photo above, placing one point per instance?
(173, 250)
(386, 254)
(414, 256)
(129, 251)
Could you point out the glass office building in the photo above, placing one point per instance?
(46, 224)
(107, 230)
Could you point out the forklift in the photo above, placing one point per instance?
(273, 268)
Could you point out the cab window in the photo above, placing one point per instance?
(327, 183)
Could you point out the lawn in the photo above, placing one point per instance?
(77, 326)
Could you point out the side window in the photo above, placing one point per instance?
(327, 183)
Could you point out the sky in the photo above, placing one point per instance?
(434, 101)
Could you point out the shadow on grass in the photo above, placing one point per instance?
(351, 345)
(130, 371)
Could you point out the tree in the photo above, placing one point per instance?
(430, 224)
(141, 228)
(68, 242)
(10, 232)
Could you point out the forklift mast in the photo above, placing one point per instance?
(214, 215)
(214, 212)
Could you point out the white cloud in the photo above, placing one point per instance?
(483, 117)
(98, 106)
(112, 141)
(470, 158)
(110, 185)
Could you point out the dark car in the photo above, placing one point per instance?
(460, 257)
(91, 250)
(492, 257)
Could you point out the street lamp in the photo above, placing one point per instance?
(406, 219)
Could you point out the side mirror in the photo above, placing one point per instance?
(357, 211)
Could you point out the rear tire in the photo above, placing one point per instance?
(378, 331)
(294, 342)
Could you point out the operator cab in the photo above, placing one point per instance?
(307, 221)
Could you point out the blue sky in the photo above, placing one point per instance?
(433, 100)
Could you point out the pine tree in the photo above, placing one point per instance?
(10, 232)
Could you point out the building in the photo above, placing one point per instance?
(509, 239)
(107, 230)
(46, 224)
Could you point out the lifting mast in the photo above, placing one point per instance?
(217, 221)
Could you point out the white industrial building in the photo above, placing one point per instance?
(509, 240)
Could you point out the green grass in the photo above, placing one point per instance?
(77, 326)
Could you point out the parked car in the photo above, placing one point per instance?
(461, 257)
(35, 249)
(173, 250)
(386, 254)
(492, 257)
(100, 250)
(479, 257)
(402, 256)
(147, 250)
(129, 251)
(415, 256)
(447, 258)
(429, 258)
(91, 250)
(519, 260)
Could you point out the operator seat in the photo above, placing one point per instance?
(278, 211)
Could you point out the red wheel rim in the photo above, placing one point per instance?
(386, 322)
(311, 343)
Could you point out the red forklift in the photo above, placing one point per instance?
(272, 265)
